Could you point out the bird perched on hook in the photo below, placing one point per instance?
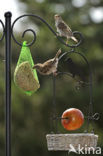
(48, 67)
(63, 29)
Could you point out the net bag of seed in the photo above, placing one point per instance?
(24, 76)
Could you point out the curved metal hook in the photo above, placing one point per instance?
(81, 38)
(3, 30)
(95, 116)
(32, 42)
(90, 114)
(74, 45)
(41, 19)
(90, 70)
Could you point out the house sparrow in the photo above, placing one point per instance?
(63, 29)
(48, 67)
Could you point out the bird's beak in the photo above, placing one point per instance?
(34, 66)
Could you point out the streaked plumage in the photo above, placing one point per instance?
(49, 66)
(63, 29)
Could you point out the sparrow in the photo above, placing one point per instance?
(48, 67)
(63, 29)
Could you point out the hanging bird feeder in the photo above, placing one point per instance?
(73, 119)
(24, 76)
(27, 79)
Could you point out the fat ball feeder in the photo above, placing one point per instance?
(54, 141)
(24, 76)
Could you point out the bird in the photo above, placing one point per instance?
(63, 29)
(48, 67)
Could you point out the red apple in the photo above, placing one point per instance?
(75, 119)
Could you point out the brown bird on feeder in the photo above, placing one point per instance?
(48, 67)
(63, 29)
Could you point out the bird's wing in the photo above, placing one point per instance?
(49, 62)
(62, 25)
(40, 64)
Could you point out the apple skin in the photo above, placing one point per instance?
(75, 119)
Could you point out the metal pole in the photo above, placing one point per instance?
(8, 81)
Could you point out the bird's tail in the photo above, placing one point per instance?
(74, 39)
(58, 53)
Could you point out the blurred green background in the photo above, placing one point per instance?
(31, 114)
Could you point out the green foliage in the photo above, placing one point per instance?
(31, 115)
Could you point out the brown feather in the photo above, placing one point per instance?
(62, 26)
(48, 67)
